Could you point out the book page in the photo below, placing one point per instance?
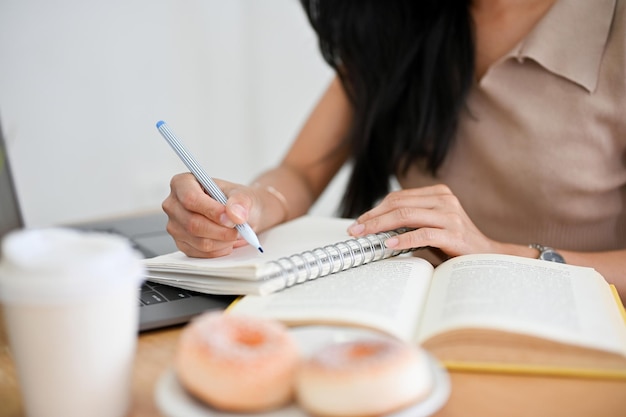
(387, 295)
(558, 302)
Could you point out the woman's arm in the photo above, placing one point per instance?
(202, 227)
(311, 163)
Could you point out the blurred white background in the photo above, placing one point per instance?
(82, 84)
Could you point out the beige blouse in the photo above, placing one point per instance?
(540, 155)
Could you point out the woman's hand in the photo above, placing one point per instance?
(437, 216)
(203, 227)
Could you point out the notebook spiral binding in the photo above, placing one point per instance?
(330, 259)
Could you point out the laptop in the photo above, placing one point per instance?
(160, 305)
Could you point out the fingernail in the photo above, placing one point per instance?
(239, 211)
(225, 220)
(391, 242)
(356, 229)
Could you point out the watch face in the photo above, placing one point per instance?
(552, 256)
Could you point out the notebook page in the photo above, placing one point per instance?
(299, 235)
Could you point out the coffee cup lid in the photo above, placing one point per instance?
(58, 264)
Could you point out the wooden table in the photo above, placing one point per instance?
(473, 394)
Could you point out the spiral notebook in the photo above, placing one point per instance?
(303, 249)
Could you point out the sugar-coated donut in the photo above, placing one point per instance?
(363, 378)
(237, 363)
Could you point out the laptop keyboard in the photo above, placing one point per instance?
(153, 293)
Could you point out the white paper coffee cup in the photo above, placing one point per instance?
(70, 304)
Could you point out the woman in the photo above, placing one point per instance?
(503, 121)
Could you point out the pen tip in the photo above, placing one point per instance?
(260, 249)
(159, 123)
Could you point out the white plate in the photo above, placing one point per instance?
(174, 401)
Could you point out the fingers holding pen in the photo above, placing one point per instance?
(190, 201)
(194, 220)
(197, 236)
(238, 206)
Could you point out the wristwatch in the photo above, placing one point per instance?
(547, 253)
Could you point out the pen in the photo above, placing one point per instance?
(207, 183)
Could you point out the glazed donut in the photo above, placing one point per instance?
(237, 363)
(363, 378)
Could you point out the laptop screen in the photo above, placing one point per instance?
(10, 215)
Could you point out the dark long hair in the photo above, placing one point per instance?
(407, 66)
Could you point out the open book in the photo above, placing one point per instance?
(473, 311)
(304, 249)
